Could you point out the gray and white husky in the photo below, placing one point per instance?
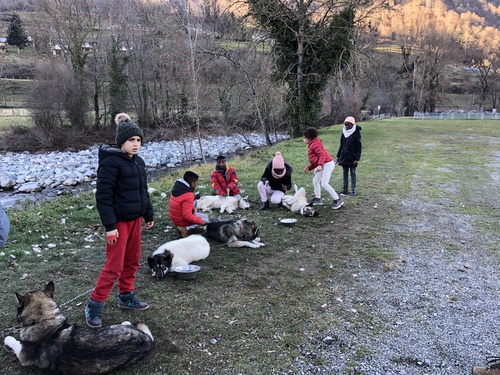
(49, 342)
(235, 233)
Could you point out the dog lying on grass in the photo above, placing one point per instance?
(49, 342)
(298, 204)
(178, 253)
(235, 233)
(208, 202)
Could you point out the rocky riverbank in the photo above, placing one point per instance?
(28, 175)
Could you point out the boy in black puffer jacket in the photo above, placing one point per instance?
(122, 201)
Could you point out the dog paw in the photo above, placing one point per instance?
(126, 323)
(12, 343)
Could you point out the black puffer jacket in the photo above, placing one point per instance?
(122, 190)
(350, 147)
(275, 183)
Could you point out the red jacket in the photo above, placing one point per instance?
(317, 154)
(221, 183)
(182, 212)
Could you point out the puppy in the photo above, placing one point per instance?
(297, 203)
(230, 204)
(178, 253)
(235, 233)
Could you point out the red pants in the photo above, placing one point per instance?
(122, 261)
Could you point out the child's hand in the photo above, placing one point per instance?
(112, 237)
(306, 170)
(149, 225)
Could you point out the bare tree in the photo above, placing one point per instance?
(73, 23)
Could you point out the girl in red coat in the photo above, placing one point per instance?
(322, 163)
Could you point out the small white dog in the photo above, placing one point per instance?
(208, 202)
(178, 253)
(297, 203)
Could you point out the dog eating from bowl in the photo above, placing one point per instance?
(178, 253)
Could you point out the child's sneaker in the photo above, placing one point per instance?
(317, 202)
(129, 301)
(93, 313)
(337, 204)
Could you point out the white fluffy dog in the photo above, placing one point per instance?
(208, 202)
(297, 203)
(178, 253)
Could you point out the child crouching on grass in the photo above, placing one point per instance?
(122, 201)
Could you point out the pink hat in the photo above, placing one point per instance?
(278, 161)
(350, 120)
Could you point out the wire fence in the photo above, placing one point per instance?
(456, 116)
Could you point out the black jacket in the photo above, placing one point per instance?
(122, 190)
(274, 183)
(350, 147)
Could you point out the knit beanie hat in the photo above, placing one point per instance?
(126, 128)
(350, 120)
(278, 163)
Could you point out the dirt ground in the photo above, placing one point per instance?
(433, 309)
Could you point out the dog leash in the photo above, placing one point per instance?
(14, 329)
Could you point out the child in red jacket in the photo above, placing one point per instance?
(322, 163)
(182, 210)
(224, 180)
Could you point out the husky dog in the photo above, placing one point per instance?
(178, 253)
(207, 202)
(50, 343)
(235, 233)
(297, 203)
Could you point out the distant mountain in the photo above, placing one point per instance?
(489, 10)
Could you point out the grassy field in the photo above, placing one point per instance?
(251, 310)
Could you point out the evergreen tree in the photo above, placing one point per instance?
(16, 36)
(117, 88)
(312, 43)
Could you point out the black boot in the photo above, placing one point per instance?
(344, 190)
(264, 206)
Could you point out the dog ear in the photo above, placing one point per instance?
(49, 289)
(21, 299)
(167, 258)
(151, 262)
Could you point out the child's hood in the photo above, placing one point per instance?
(180, 188)
(108, 150)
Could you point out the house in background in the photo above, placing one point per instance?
(3, 44)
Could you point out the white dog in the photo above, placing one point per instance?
(207, 202)
(297, 203)
(178, 253)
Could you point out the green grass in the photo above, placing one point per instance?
(251, 310)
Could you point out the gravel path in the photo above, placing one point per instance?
(433, 310)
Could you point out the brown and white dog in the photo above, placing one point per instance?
(235, 233)
(298, 204)
(229, 204)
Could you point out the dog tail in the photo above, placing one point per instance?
(144, 328)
